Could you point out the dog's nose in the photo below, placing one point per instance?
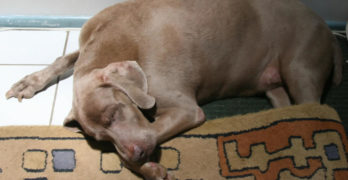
(136, 153)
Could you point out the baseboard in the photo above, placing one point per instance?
(337, 25)
(20, 21)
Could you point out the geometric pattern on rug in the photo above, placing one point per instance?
(301, 148)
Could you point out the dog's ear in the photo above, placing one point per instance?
(130, 79)
(71, 123)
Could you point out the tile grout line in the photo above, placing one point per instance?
(54, 102)
(58, 79)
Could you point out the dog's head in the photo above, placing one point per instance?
(107, 105)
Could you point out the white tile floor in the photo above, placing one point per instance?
(23, 52)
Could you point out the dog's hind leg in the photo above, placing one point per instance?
(31, 84)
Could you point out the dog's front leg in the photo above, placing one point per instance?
(29, 85)
(169, 122)
(175, 120)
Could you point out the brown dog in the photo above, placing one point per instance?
(172, 55)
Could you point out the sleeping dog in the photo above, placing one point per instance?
(170, 56)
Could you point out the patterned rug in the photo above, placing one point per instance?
(298, 142)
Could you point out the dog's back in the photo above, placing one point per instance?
(181, 39)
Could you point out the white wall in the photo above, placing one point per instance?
(54, 7)
(333, 10)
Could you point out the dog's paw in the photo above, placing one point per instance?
(155, 171)
(25, 88)
(170, 176)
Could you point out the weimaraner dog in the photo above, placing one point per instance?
(168, 57)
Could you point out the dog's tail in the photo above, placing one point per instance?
(338, 62)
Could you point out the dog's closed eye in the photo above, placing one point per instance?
(112, 113)
(108, 115)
